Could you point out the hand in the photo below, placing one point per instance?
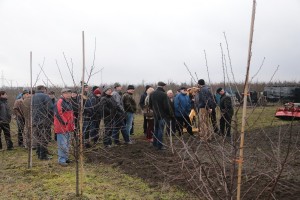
(210, 110)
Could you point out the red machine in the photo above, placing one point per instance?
(289, 111)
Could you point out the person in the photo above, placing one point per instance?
(20, 117)
(95, 101)
(142, 105)
(75, 107)
(5, 119)
(87, 116)
(172, 126)
(25, 107)
(42, 106)
(159, 103)
(205, 104)
(64, 125)
(226, 113)
(129, 107)
(119, 120)
(108, 107)
(49, 130)
(182, 105)
(148, 114)
(52, 97)
(192, 93)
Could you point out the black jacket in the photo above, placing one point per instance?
(108, 108)
(142, 100)
(159, 103)
(42, 109)
(95, 102)
(5, 114)
(226, 105)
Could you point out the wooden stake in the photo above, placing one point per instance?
(240, 160)
(81, 116)
(29, 140)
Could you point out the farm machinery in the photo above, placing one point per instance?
(289, 111)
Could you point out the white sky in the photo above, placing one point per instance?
(148, 40)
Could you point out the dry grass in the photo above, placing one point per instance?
(48, 180)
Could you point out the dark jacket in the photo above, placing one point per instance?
(63, 116)
(129, 103)
(142, 100)
(95, 103)
(226, 105)
(117, 96)
(182, 104)
(75, 106)
(108, 107)
(159, 103)
(205, 99)
(88, 110)
(171, 102)
(42, 109)
(5, 114)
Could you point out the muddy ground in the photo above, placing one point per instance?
(264, 158)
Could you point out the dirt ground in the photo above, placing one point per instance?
(265, 153)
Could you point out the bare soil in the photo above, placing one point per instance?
(265, 155)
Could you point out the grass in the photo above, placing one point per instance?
(260, 117)
(48, 180)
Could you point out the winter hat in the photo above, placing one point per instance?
(97, 91)
(94, 88)
(130, 87)
(183, 88)
(201, 82)
(161, 84)
(25, 92)
(117, 85)
(106, 88)
(219, 90)
(148, 86)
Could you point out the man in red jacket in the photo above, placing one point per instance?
(63, 125)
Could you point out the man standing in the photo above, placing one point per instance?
(25, 109)
(108, 108)
(63, 125)
(20, 117)
(182, 104)
(119, 123)
(205, 104)
(5, 118)
(95, 101)
(226, 113)
(159, 103)
(142, 105)
(172, 125)
(42, 106)
(87, 114)
(129, 107)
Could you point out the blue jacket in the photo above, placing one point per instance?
(205, 99)
(182, 104)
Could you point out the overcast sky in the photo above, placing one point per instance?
(139, 40)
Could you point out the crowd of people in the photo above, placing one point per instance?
(163, 111)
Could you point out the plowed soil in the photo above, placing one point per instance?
(265, 157)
